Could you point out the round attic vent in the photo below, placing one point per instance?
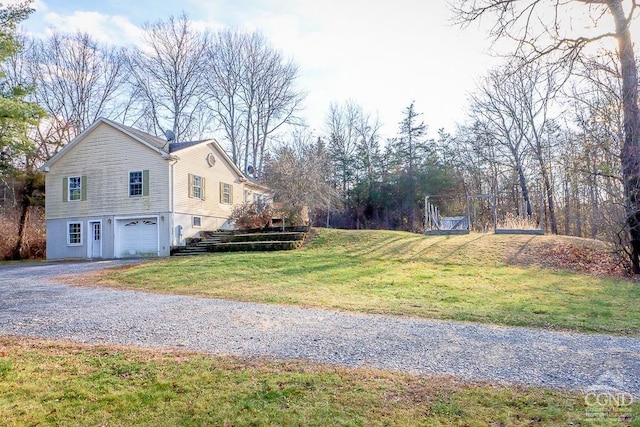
(211, 160)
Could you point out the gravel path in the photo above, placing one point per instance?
(32, 305)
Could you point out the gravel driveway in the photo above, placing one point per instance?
(32, 305)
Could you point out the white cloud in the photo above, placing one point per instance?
(382, 55)
(113, 29)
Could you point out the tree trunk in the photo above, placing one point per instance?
(25, 209)
(578, 213)
(567, 208)
(525, 190)
(631, 145)
(550, 202)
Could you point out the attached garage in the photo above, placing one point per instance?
(136, 237)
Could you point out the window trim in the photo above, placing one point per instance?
(78, 188)
(197, 186)
(141, 184)
(192, 178)
(224, 193)
(79, 232)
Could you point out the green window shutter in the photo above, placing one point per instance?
(83, 187)
(65, 189)
(221, 192)
(204, 189)
(190, 185)
(145, 182)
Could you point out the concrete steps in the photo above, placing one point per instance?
(243, 241)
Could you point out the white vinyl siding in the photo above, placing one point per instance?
(105, 157)
(193, 161)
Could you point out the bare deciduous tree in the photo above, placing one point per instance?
(168, 73)
(75, 79)
(342, 124)
(498, 123)
(297, 173)
(254, 93)
(548, 27)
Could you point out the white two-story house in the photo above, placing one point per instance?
(117, 192)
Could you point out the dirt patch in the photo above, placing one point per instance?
(92, 278)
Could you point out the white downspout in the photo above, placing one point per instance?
(174, 241)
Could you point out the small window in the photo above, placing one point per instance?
(197, 221)
(135, 184)
(226, 193)
(75, 188)
(74, 233)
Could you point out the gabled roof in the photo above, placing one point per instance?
(159, 145)
(148, 138)
(177, 146)
(153, 142)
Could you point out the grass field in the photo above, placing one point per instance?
(467, 278)
(54, 383)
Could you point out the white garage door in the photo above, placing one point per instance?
(137, 237)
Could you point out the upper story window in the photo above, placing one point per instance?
(196, 187)
(75, 188)
(226, 193)
(135, 184)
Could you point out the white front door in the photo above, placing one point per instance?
(95, 239)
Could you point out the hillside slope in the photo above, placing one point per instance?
(548, 251)
(499, 279)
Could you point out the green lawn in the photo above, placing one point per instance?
(444, 277)
(47, 383)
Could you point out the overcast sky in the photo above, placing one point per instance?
(382, 54)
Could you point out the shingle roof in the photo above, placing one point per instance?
(146, 137)
(177, 146)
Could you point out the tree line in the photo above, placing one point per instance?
(552, 133)
(181, 82)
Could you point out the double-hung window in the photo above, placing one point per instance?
(75, 188)
(135, 184)
(226, 193)
(196, 186)
(74, 233)
(139, 183)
